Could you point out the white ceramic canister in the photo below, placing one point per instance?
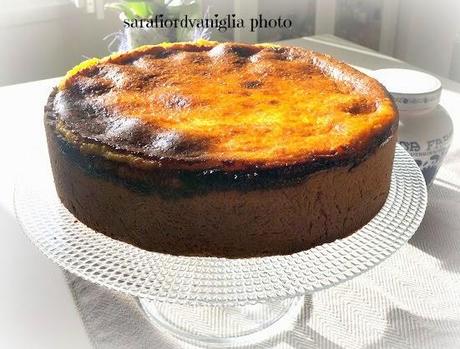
(425, 127)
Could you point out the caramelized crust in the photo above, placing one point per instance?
(231, 107)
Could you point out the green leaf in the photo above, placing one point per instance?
(140, 9)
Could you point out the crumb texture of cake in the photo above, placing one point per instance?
(221, 149)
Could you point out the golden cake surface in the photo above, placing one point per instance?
(222, 106)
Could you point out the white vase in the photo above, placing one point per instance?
(425, 127)
(427, 138)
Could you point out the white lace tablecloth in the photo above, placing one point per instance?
(412, 300)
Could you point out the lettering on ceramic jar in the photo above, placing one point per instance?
(410, 146)
(438, 143)
(429, 155)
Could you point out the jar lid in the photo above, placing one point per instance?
(412, 90)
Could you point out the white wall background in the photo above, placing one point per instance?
(426, 32)
(44, 41)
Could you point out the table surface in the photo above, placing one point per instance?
(37, 308)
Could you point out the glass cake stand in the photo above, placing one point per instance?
(218, 301)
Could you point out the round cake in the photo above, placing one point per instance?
(221, 149)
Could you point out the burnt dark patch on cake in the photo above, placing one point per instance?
(166, 53)
(92, 71)
(361, 107)
(170, 143)
(243, 51)
(252, 84)
(127, 132)
(277, 53)
(85, 86)
(238, 50)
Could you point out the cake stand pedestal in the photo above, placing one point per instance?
(224, 325)
(219, 301)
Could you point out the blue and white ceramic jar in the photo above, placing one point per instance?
(425, 127)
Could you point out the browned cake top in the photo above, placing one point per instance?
(211, 105)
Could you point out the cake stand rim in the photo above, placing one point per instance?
(230, 301)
